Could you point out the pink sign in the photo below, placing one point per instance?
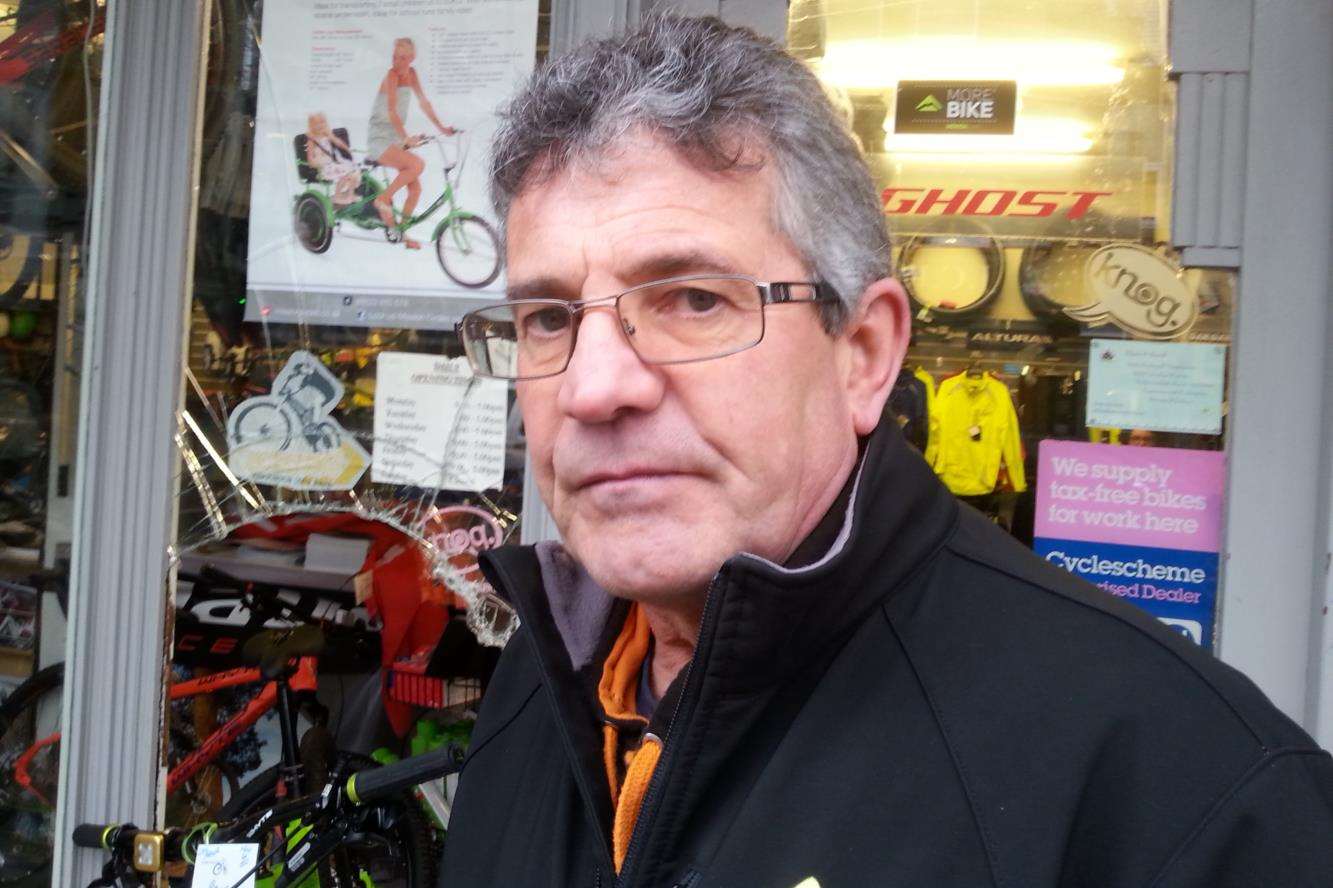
(1133, 496)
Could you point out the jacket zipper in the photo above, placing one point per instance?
(579, 780)
(648, 808)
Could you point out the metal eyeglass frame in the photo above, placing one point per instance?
(770, 293)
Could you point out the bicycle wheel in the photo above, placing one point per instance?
(469, 251)
(262, 423)
(27, 814)
(393, 851)
(312, 225)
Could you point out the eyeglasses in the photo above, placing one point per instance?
(671, 321)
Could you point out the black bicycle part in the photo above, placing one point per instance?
(219, 644)
(1039, 301)
(370, 786)
(390, 839)
(991, 252)
(94, 835)
(118, 839)
(311, 220)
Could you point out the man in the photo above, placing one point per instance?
(772, 649)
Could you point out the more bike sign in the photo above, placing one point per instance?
(956, 107)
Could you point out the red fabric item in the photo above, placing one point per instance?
(412, 606)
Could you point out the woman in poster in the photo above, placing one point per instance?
(388, 141)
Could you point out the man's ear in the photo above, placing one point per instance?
(877, 337)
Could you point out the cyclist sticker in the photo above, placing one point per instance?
(287, 438)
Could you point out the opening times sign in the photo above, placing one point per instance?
(1142, 523)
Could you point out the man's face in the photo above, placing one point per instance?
(657, 474)
(1141, 438)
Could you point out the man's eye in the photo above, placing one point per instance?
(696, 301)
(546, 322)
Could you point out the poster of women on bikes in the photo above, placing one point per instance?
(368, 197)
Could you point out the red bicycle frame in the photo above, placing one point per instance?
(306, 678)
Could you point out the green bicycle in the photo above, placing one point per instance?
(466, 245)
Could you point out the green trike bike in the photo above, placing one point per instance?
(465, 244)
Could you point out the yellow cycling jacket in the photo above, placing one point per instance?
(977, 430)
(932, 421)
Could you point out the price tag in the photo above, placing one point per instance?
(222, 866)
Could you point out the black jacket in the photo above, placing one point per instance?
(929, 705)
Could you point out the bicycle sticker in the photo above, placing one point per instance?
(288, 439)
(222, 866)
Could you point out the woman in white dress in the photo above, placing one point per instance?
(389, 142)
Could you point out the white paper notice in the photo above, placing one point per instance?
(437, 425)
(1162, 386)
(222, 866)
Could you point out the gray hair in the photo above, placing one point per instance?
(704, 87)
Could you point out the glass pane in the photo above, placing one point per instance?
(50, 74)
(1066, 376)
(341, 467)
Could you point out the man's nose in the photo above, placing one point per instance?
(605, 378)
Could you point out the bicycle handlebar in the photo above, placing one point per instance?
(363, 788)
(373, 784)
(100, 835)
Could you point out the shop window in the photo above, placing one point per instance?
(50, 78)
(1065, 376)
(341, 465)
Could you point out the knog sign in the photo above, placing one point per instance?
(465, 530)
(1138, 291)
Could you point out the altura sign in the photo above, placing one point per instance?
(1034, 203)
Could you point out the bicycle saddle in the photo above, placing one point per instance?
(272, 649)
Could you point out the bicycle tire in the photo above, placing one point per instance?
(249, 431)
(310, 221)
(485, 244)
(411, 835)
(993, 256)
(16, 823)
